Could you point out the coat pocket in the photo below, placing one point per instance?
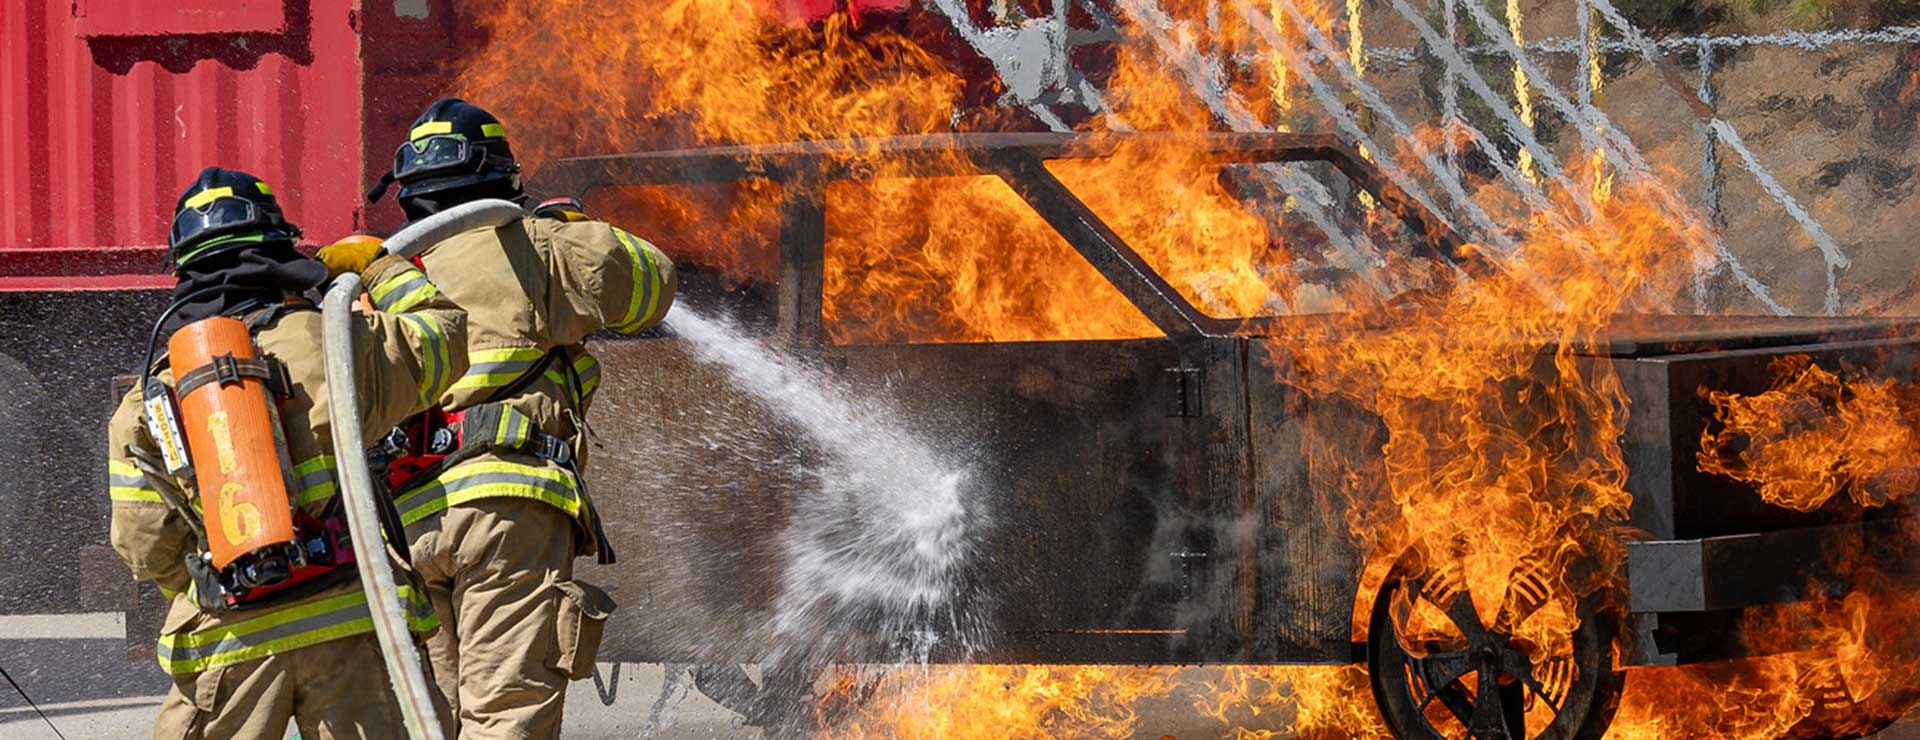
(581, 621)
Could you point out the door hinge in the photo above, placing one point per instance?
(1184, 389)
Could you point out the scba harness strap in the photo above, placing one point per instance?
(420, 450)
(226, 369)
(427, 444)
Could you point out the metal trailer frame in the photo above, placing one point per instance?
(1154, 497)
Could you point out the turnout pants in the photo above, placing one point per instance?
(499, 572)
(334, 690)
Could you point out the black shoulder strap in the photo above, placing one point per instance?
(265, 316)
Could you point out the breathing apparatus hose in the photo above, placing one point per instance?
(409, 682)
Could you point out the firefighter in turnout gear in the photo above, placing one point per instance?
(226, 437)
(491, 492)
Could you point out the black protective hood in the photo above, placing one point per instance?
(422, 205)
(247, 279)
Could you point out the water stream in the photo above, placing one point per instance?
(877, 546)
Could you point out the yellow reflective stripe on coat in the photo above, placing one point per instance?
(315, 478)
(490, 478)
(647, 286)
(438, 370)
(402, 291)
(495, 368)
(513, 429)
(585, 368)
(331, 618)
(126, 484)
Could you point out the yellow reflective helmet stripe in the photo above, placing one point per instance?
(430, 128)
(264, 190)
(207, 196)
(493, 131)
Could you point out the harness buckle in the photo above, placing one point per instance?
(552, 448)
(226, 369)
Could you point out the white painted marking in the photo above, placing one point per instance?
(83, 626)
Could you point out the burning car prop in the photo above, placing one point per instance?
(1496, 484)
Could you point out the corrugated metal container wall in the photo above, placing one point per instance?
(109, 107)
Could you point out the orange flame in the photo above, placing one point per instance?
(1815, 434)
(1485, 464)
(1846, 667)
(1098, 702)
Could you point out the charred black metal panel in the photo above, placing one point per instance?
(1309, 567)
(1108, 534)
(694, 483)
(1112, 532)
(1673, 500)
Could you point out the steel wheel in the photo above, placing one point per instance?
(1459, 678)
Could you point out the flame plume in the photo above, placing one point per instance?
(1497, 455)
(1815, 434)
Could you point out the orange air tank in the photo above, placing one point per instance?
(234, 439)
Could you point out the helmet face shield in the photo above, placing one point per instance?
(220, 215)
(434, 155)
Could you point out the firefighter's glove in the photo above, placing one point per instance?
(350, 254)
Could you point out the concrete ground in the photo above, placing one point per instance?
(75, 666)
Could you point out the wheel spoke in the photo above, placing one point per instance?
(1455, 698)
(1488, 720)
(1495, 706)
(1513, 699)
(1442, 669)
(1517, 665)
(1461, 613)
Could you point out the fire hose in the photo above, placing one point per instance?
(408, 681)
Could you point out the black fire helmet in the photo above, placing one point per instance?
(223, 211)
(454, 146)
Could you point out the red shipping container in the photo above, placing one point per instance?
(108, 107)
